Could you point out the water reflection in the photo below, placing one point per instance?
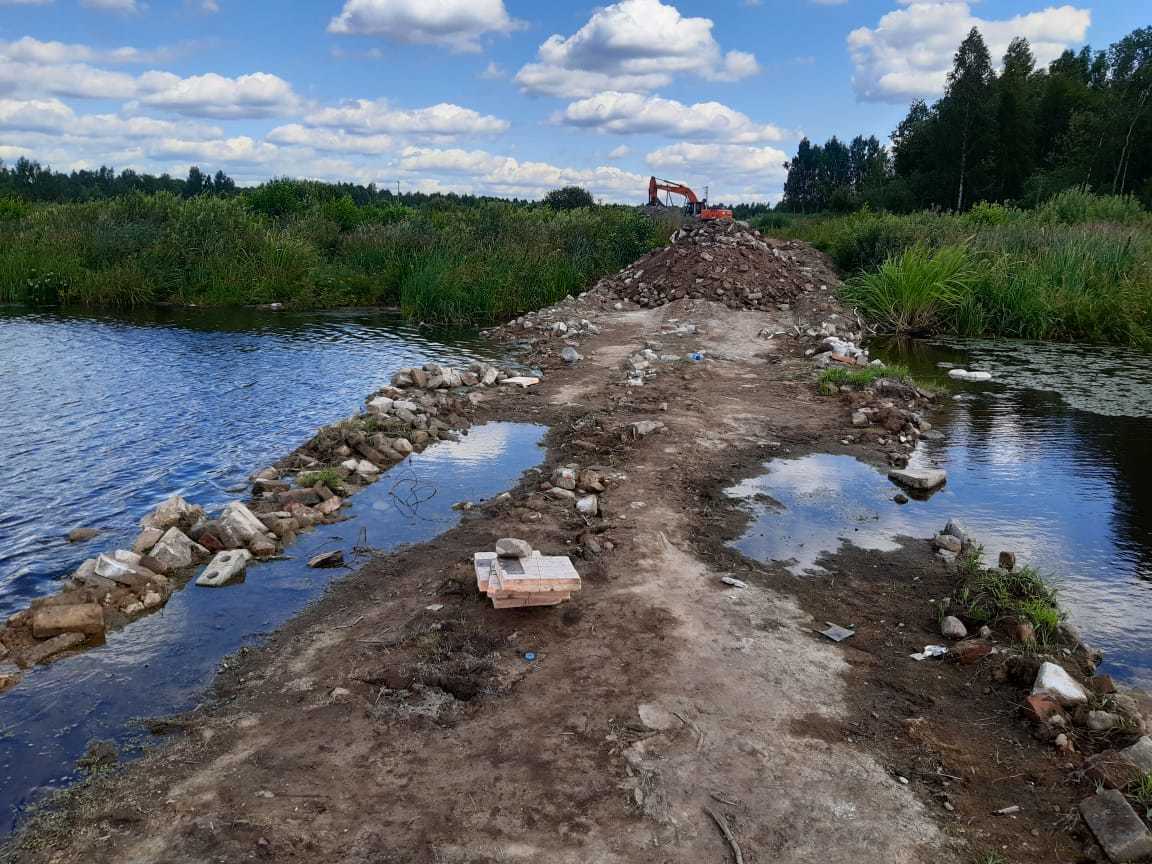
(106, 415)
(1049, 461)
(161, 664)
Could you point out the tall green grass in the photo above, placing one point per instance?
(446, 264)
(1079, 268)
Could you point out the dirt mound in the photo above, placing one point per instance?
(728, 262)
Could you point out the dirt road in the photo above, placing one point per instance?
(665, 717)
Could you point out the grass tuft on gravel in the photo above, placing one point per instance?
(832, 379)
(990, 596)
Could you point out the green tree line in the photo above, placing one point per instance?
(1018, 135)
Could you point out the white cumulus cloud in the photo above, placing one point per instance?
(908, 54)
(257, 95)
(332, 141)
(458, 24)
(632, 113)
(484, 172)
(379, 116)
(643, 43)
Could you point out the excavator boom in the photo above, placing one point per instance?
(694, 207)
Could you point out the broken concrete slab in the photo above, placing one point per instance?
(1117, 828)
(85, 618)
(47, 650)
(176, 550)
(327, 560)
(173, 512)
(146, 539)
(225, 567)
(121, 572)
(238, 525)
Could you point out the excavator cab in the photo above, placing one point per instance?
(694, 206)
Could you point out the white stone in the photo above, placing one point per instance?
(381, 405)
(510, 547)
(965, 375)
(367, 468)
(225, 567)
(1053, 680)
(241, 523)
(171, 512)
(589, 505)
(953, 628)
(522, 381)
(176, 550)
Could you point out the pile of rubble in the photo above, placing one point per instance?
(516, 576)
(728, 262)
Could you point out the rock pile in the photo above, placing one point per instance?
(515, 576)
(580, 486)
(728, 262)
(306, 489)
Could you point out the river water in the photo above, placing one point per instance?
(1050, 460)
(105, 416)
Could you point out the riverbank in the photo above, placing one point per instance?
(402, 718)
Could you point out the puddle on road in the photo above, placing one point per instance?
(810, 507)
(806, 508)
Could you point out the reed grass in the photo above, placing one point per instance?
(448, 264)
(1079, 268)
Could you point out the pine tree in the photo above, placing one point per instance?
(966, 115)
(1015, 120)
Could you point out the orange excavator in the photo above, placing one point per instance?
(694, 207)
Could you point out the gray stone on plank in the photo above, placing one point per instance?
(511, 547)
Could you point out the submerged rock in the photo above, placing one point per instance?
(86, 618)
(225, 567)
(82, 535)
(923, 479)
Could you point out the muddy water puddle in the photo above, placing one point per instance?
(1049, 460)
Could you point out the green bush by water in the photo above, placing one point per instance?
(835, 377)
(1077, 268)
(276, 245)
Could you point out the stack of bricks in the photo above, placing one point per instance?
(520, 577)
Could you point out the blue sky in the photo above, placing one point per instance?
(495, 96)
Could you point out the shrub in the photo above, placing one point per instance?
(915, 291)
(13, 209)
(836, 377)
(569, 198)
